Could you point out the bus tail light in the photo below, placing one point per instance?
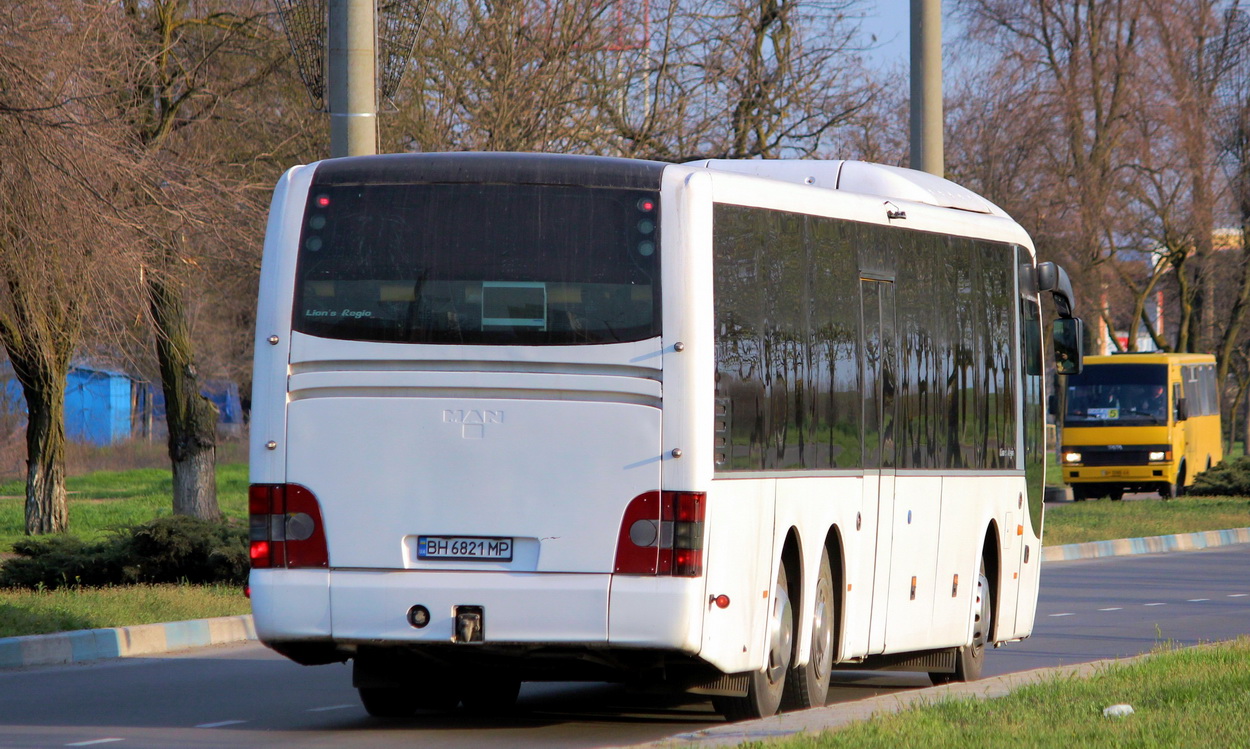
(662, 534)
(285, 527)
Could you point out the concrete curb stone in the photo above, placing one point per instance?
(123, 642)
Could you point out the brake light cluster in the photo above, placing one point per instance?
(662, 534)
(286, 529)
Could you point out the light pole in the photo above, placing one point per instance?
(926, 86)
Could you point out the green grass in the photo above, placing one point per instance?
(1101, 520)
(27, 612)
(1198, 697)
(102, 501)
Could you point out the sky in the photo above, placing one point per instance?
(890, 21)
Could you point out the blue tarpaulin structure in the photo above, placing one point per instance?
(105, 406)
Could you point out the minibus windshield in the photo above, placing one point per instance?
(1118, 395)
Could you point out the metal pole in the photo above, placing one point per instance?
(926, 86)
(353, 78)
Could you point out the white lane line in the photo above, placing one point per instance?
(1154, 604)
(328, 707)
(221, 723)
(1238, 595)
(1063, 614)
(93, 742)
(1113, 608)
(1198, 600)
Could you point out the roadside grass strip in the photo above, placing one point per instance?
(1195, 697)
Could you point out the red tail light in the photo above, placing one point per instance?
(285, 527)
(662, 534)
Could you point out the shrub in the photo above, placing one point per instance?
(1225, 479)
(164, 550)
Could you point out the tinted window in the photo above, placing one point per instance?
(1117, 394)
(479, 263)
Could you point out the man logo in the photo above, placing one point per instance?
(473, 421)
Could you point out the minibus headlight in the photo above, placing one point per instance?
(1071, 457)
(1157, 456)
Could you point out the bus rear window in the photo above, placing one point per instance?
(479, 263)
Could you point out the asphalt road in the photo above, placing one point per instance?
(246, 696)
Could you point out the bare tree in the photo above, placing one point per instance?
(193, 57)
(62, 246)
(1079, 60)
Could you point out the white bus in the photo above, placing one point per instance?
(720, 427)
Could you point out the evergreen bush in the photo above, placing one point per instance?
(1228, 478)
(165, 550)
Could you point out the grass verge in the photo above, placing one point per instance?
(103, 501)
(1102, 520)
(29, 612)
(1192, 697)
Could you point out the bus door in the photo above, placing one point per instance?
(878, 389)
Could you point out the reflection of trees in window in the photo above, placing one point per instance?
(790, 339)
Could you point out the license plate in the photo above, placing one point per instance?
(478, 548)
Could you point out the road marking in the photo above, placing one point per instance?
(1238, 595)
(94, 741)
(328, 707)
(221, 723)
(1154, 604)
(1198, 600)
(1115, 608)
(1063, 614)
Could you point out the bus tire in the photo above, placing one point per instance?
(388, 702)
(1078, 494)
(492, 695)
(970, 659)
(808, 685)
(1116, 495)
(766, 686)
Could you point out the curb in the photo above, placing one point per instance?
(843, 714)
(154, 639)
(123, 642)
(1150, 545)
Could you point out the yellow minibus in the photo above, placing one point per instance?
(1138, 423)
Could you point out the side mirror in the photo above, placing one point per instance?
(1051, 406)
(1053, 278)
(1068, 335)
(1182, 409)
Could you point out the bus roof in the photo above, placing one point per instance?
(1151, 357)
(861, 177)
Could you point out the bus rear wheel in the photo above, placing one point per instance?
(766, 687)
(808, 685)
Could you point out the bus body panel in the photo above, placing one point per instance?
(290, 605)
(658, 612)
(473, 467)
(738, 565)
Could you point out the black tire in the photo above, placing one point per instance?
(807, 686)
(388, 702)
(494, 695)
(970, 660)
(766, 687)
(1079, 494)
(1169, 491)
(1116, 495)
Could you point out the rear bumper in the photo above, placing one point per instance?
(352, 607)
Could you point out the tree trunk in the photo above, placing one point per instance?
(191, 417)
(47, 507)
